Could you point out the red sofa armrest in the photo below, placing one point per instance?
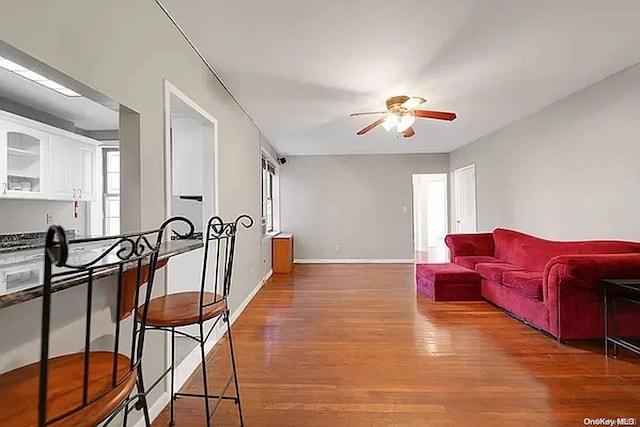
(470, 244)
(597, 266)
(571, 290)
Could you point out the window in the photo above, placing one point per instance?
(111, 191)
(268, 178)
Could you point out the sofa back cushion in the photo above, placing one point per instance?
(533, 253)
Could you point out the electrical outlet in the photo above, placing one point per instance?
(405, 209)
(338, 248)
(49, 219)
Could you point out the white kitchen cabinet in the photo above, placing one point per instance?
(38, 161)
(84, 176)
(73, 167)
(23, 166)
(60, 187)
(186, 157)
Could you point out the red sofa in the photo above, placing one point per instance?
(554, 286)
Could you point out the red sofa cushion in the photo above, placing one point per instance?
(493, 270)
(446, 273)
(470, 261)
(533, 253)
(528, 283)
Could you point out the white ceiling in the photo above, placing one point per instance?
(300, 67)
(84, 113)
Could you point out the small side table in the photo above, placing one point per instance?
(627, 290)
(282, 255)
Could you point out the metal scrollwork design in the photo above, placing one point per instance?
(217, 228)
(124, 247)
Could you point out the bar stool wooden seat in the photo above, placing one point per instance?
(181, 309)
(90, 387)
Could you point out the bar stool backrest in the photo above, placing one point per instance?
(134, 253)
(219, 252)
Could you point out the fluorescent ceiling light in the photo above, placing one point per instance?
(31, 75)
(35, 77)
(10, 65)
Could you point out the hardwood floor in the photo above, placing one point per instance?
(352, 345)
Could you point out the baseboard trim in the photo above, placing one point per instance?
(192, 361)
(155, 409)
(249, 297)
(353, 261)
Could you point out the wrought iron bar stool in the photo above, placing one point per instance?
(93, 386)
(182, 309)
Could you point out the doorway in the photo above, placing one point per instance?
(430, 225)
(190, 191)
(464, 187)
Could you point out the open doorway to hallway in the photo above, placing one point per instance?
(430, 223)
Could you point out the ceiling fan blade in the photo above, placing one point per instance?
(372, 112)
(371, 126)
(413, 102)
(408, 133)
(441, 115)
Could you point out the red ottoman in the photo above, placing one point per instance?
(448, 282)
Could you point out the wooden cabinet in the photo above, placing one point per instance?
(282, 246)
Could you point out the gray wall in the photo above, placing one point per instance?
(124, 49)
(354, 201)
(18, 216)
(569, 171)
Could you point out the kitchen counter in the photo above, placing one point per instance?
(26, 267)
(10, 243)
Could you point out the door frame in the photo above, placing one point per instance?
(431, 177)
(167, 90)
(456, 172)
(192, 361)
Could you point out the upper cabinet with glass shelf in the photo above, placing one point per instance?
(38, 161)
(22, 169)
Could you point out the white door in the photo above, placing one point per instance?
(465, 199)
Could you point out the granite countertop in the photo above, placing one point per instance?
(26, 268)
(23, 241)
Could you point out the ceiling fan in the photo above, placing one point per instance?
(401, 113)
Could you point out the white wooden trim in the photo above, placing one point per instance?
(352, 261)
(247, 300)
(43, 127)
(155, 409)
(167, 90)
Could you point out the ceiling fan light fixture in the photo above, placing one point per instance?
(390, 122)
(405, 122)
(413, 102)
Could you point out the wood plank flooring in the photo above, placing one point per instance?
(353, 345)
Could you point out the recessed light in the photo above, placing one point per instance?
(33, 76)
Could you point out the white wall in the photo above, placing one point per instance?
(361, 202)
(17, 216)
(124, 49)
(569, 171)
